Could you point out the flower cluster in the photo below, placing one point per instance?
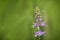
(38, 23)
(39, 33)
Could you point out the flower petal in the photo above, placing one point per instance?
(41, 33)
(36, 34)
(43, 24)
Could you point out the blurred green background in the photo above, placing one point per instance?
(16, 17)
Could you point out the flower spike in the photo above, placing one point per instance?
(38, 23)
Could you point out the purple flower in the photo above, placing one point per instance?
(36, 34)
(38, 23)
(43, 24)
(40, 19)
(35, 25)
(39, 33)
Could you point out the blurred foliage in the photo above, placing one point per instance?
(16, 17)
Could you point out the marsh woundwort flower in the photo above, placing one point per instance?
(39, 33)
(42, 24)
(38, 23)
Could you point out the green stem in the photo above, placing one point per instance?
(38, 38)
(41, 37)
